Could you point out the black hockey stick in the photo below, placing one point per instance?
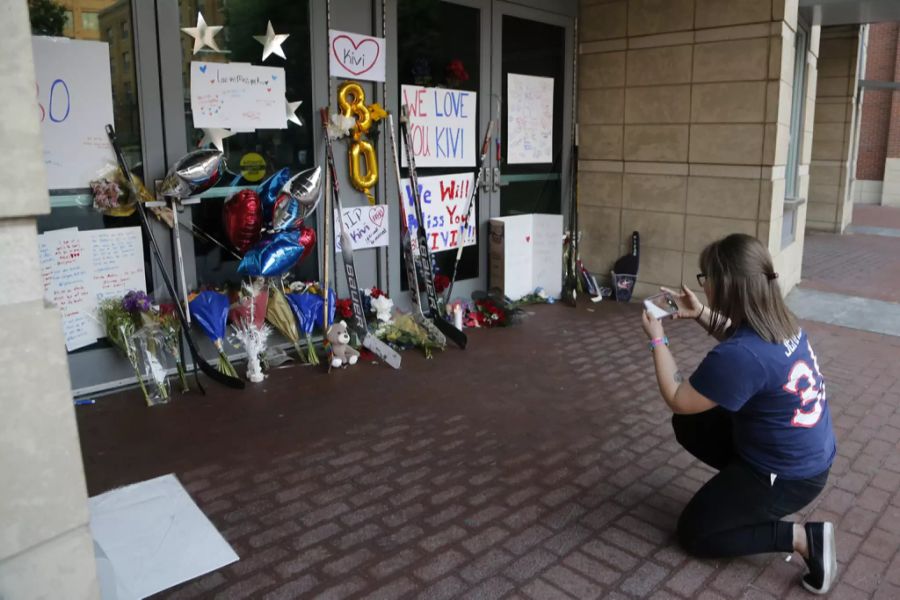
(376, 346)
(199, 361)
(459, 338)
(485, 146)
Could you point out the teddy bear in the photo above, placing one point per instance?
(342, 353)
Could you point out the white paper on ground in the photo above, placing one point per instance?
(155, 537)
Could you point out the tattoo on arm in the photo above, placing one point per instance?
(678, 377)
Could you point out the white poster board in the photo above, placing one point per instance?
(356, 56)
(367, 226)
(444, 199)
(529, 119)
(526, 253)
(82, 268)
(74, 104)
(441, 126)
(237, 96)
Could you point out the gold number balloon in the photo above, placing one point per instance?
(351, 100)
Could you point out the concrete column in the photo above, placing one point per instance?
(684, 109)
(45, 545)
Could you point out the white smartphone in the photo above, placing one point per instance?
(661, 306)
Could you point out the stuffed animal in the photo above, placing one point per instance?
(383, 306)
(342, 353)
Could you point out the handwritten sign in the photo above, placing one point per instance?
(529, 119)
(525, 252)
(74, 104)
(355, 56)
(441, 126)
(81, 268)
(367, 226)
(444, 199)
(237, 96)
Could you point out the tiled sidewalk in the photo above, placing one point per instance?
(539, 463)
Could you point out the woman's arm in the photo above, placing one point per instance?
(679, 394)
(690, 307)
(705, 320)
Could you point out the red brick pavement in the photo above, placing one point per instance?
(876, 216)
(537, 464)
(853, 264)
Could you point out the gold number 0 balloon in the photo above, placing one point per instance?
(351, 100)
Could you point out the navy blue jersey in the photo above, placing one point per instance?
(776, 394)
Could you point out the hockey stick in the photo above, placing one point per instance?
(485, 146)
(199, 361)
(459, 338)
(411, 250)
(376, 346)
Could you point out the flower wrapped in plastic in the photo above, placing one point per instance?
(170, 327)
(110, 193)
(305, 307)
(403, 332)
(149, 346)
(281, 316)
(248, 318)
(210, 310)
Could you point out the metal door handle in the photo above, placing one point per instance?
(486, 181)
(496, 178)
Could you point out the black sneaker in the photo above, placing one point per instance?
(822, 561)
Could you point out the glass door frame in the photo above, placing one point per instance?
(567, 21)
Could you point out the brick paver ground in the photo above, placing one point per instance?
(539, 463)
(853, 264)
(876, 216)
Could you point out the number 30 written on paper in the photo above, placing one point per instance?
(59, 102)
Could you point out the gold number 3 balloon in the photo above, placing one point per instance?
(351, 100)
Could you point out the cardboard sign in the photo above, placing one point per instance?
(444, 199)
(367, 226)
(441, 126)
(529, 119)
(356, 56)
(237, 96)
(525, 254)
(74, 104)
(82, 268)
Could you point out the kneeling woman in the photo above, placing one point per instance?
(755, 410)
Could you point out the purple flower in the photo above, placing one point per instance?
(136, 301)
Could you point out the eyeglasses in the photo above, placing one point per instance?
(701, 279)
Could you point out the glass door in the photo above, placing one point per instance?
(532, 76)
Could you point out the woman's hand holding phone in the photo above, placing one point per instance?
(689, 306)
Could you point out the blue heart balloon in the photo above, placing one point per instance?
(273, 256)
(268, 192)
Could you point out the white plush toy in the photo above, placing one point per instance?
(383, 307)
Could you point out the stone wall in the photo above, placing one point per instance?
(46, 549)
(684, 108)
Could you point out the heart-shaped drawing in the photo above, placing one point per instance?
(274, 77)
(527, 238)
(376, 215)
(203, 68)
(268, 89)
(371, 46)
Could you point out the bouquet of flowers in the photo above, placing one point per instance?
(280, 315)
(403, 332)
(129, 325)
(248, 318)
(306, 307)
(110, 192)
(170, 327)
(210, 310)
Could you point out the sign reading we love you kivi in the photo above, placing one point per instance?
(356, 56)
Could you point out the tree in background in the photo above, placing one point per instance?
(47, 17)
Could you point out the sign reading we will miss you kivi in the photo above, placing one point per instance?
(237, 96)
(74, 104)
(356, 56)
(441, 126)
(444, 201)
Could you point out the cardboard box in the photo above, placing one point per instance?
(525, 254)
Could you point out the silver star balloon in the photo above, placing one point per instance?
(203, 34)
(194, 173)
(291, 111)
(214, 136)
(272, 42)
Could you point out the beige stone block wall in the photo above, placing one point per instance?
(830, 190)
(45, 544)
(687, 107)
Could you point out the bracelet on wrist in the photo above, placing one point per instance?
(700, 316)
(663, 341)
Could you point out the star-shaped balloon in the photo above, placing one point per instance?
(214, 136)
(291, 111)
(203, 34)
(272, 42)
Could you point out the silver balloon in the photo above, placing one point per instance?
(193, 174)
(299, 199)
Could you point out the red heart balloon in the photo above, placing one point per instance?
(242, 219)
(307, 239)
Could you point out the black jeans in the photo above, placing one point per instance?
(739, 510)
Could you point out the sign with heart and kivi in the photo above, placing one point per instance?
(356, 56)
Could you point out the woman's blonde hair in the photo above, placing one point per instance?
(743, 287)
